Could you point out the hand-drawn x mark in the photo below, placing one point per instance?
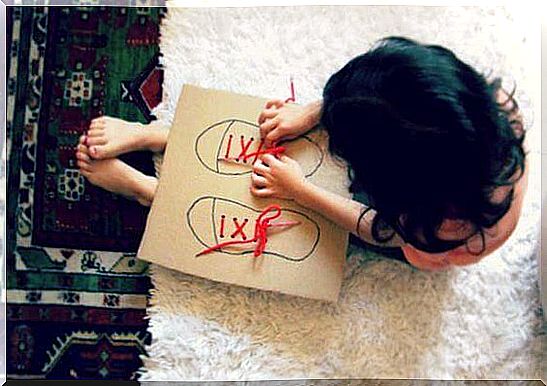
(239, 228)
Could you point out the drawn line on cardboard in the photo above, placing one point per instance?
(214, 200)
(232, 121)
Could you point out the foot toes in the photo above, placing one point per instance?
(91, 141)
(95, 132)
(83, 156)
(84, 166)
(97, 152)
(82, 149)
(96, 125)
(100, 119)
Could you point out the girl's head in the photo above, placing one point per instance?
(424, 138)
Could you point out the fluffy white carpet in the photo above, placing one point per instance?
(391, 321)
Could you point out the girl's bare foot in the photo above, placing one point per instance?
(116, 177)
(109, 137)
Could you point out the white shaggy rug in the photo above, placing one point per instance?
(391, 321)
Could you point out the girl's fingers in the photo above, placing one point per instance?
(266, 114)
(286, 159)
(268, 126)
(272, 137)
(261, 169)
(258, 181)
(269, 159)
(263, 193)
(278, 103)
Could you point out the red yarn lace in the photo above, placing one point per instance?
(292, 98)
(272, 150)
(263, 222)
(244, 156)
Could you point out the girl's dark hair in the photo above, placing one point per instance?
(425, 140)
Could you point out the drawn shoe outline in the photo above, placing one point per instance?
(231, 220)
(236, 139)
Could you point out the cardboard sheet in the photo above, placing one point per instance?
(203, 200)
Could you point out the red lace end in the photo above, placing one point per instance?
(293, 96)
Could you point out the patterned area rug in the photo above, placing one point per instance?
(76, 294)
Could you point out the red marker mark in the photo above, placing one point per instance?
(222, 219)
(263, 223)
(239, 229)
(229, 146)
(244, 148)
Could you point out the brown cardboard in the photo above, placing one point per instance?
(195, 190)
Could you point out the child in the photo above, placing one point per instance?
(435, 155)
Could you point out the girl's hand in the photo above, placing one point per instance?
(280, 121)
(277, 177)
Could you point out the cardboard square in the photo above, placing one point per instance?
(203, 200)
